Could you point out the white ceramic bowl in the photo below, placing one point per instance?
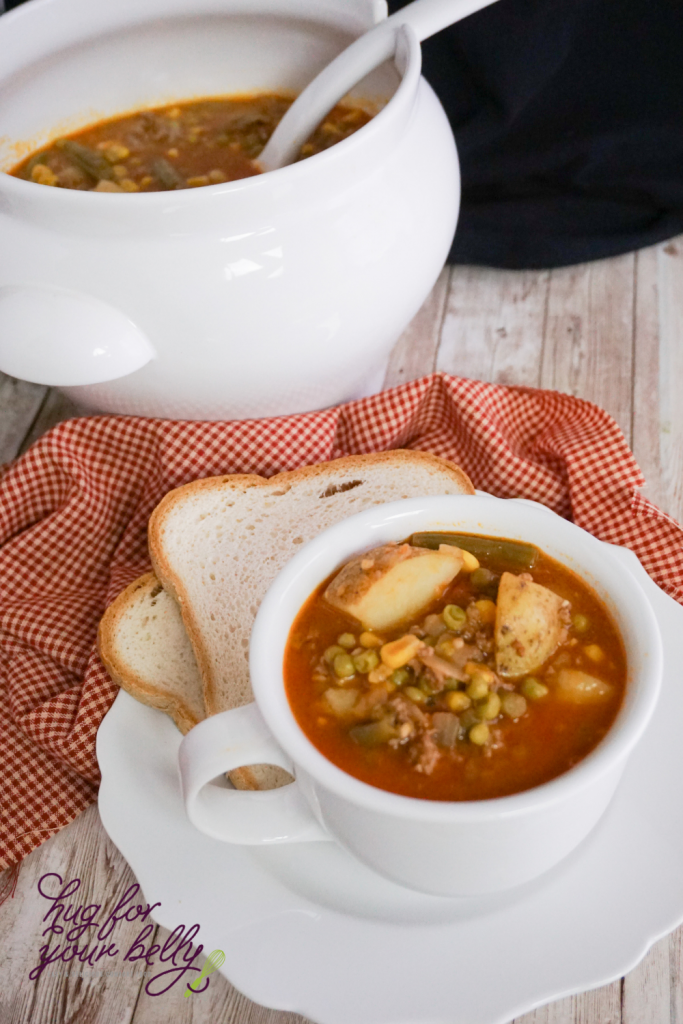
(276, 294)
(458, 848)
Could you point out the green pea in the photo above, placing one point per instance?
(469, 717)
(580, 623)
(347, 640)
(454, 617)
(451, 684)
(533, 689)
(343, 666)
(478, 688)
(479, 734)
(401, 676)
(332, 652)
(490, 709)
(366, 661)
(417, 696)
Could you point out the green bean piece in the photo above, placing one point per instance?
(88, 160)
(366, 661)
(485, 581)
(454, 617)
(167, 175)
(343, 666)
(513, 704)
(521, 556)
(346, 640)
(371, 734)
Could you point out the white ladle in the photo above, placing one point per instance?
(424, 17)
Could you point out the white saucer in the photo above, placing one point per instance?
(306, 928)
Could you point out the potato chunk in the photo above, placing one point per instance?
(529, 625)
(581, 688)
(390, 585)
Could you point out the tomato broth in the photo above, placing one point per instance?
(182, 145)
(486, 731)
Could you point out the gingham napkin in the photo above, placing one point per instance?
(74, 511)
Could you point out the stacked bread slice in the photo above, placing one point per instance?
(178, 639)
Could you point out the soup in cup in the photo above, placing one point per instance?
(278, 293)
(431, 843)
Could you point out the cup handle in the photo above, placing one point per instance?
(230, 740)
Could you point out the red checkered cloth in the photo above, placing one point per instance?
(74, 511)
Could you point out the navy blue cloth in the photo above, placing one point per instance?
(568, 115)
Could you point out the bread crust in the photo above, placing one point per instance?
(323, 473)
(127, 677)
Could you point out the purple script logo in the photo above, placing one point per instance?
(80, 936)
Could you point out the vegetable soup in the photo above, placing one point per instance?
(455, 667)
(184, 145)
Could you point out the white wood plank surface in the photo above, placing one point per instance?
(610, 332)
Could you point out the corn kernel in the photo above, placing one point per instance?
(114, 151)
(594, 652)
(469, 562)
(43, 175)
(379, 674)
(487, 611)
(474, 669)
(399, 652)
(370, 640)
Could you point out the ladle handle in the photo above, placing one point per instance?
(425, 18)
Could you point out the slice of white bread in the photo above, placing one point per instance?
(146, 650)
(217, 544)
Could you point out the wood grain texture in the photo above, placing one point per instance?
(670, 310)
(67, 992)
(588, 342)
(220, 1002)
(54, 409)
(414, 354)
(645, 424)
(647, 989)
(20, 403)
(493, 325)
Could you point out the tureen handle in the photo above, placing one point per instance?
(56, 336)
